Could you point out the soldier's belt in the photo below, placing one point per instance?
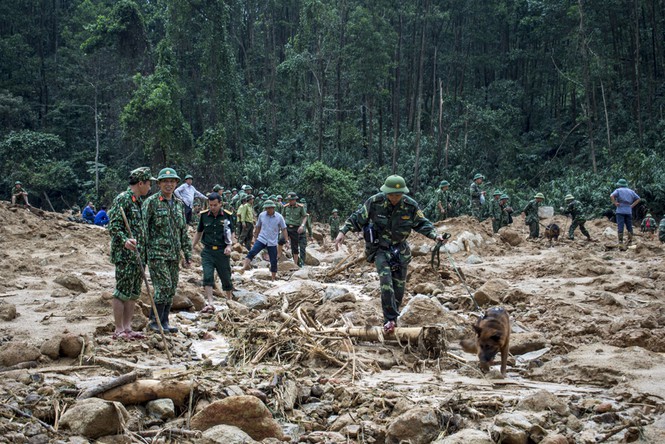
(293, 226)
(215, 247)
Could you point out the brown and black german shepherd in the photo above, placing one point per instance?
(493, 336)
(552, 233)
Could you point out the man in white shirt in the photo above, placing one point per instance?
(187, 193)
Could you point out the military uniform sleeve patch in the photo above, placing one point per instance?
(420, 214)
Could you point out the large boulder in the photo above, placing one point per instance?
(417, 426)
(251, 299)
(543, 401)
(94, 417)
(248, 413)
(521, 343)
(7, 311)
(491, 292)
(13, 353)
(311, 260)
(421, 310)
(181, 302)
(338, 294)
(510, 236)
(225, 434)
(72, 282)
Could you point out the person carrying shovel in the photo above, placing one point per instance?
(386, 220)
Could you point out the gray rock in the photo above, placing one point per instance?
(72, 282)
(311, 260)
(543, 401)
(417, 426)
(510, 236)
(94, 417)
(421, 310)
(225, 434)
(13, 353)
(338, 294)
(7, 311)
(466, 436)
(490, 292)
(51, 347)
(521, 343)
(292, 431)
(473, 260)
(161, 409)
(509, 435)
(71, 345)
(303, 273)
(251, 299)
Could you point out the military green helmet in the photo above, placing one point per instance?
(140, 175)
(168, 173)
(497, 193)
(291, 196)
(478, 176)
(279, 196)
(335, 210)
(217, 187)
(226, 192)
(268, 204)
(189, 176)
(444, 183)
(504, 196)
(539, 196)
(394, 184)
(648, 215)
(302, 200)
(569, 197)
(18, 182)
(622, 183)
(234, 189)
(272, 197)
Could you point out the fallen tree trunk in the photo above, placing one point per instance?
(113, 383)
(145, 390)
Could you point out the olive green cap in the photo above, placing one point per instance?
(539, 196)
(268, 204)
(504, 196)
(478, 176)
(394, 184)
(302, 200)
(497, 193)
(189, 176)
(291, 196)
(444, 183)
(168, 173)
(648, 215)
(140, 174)
(622, 183)
(217, 187)
(569, 197)
(335, 210)
(18, 182)
(279, 196)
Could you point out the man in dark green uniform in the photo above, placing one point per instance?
(215, 231)
(333, 220)
(295, 217)
(506, 217)
(574, 208)
(166, 238)
(477, 196)
(128, 273)
(444, 204)
(19, 193)
(495, 210)
(386, 220)
(531, 215)
(302, 239)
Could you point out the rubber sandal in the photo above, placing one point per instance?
(389, 327)
(122, 335)
(208, 309)
(134, 334)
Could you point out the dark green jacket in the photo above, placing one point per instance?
(213, 227)
(575, 209)
(531, 211)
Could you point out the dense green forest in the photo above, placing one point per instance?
(328, 97)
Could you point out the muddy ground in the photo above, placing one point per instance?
(586, 366)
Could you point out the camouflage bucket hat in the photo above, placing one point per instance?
(168, 173)
(140, 174)
(478, 176)
(504, 196)
(444, 183)
(189, 176)
(622, 183)
(569, 197)
(394, 184)
(539, 196)
(268, 204)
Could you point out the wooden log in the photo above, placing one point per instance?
(144, 390)
(108, 385)
(345, 266)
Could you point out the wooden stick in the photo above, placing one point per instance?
(28, 415)
(147, 285)
(115, 382)
(175, 432)
(49, 201)
(347, 265)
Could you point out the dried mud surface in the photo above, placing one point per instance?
(588, 324)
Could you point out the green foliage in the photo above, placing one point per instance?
(327, 188)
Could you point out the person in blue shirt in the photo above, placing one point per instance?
(101, 218)
(624, 199)
(89, 213)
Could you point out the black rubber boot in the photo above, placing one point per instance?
(165, 320)
(153, 322)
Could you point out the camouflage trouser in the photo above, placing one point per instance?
(577, 223)
(212, 260)
(477, 210)
(128, 279)
(164, 275)
(302, 246)
(246, 235)
(392, 283)
(496, 224)
(534, 229)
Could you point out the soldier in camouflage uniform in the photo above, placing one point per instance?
(531, 215)
(333, 220)
(128, 272)
(506, 217)
(494, 209)
(386, 219)
(302, 239)
(295, 217)
(166, 238)
(18, 192)
(649, 226)
(444, 204)
(661, 230)
(477, 196)
(574, 208)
